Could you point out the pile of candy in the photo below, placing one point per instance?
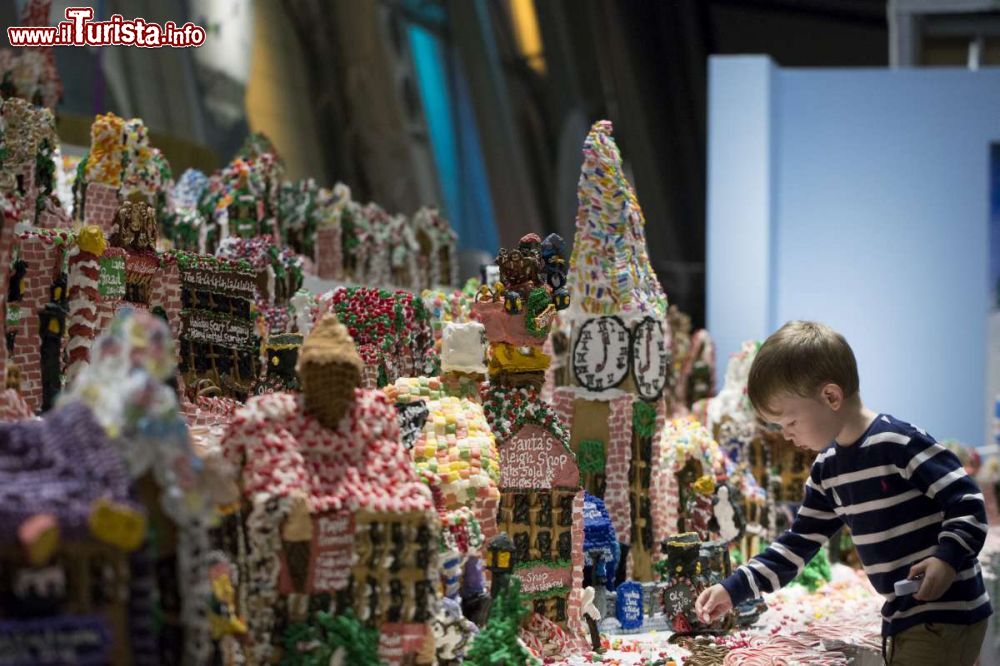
(776, 650)
(806, 628)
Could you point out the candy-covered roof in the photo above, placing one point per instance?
(686, 438)
(456, 442)
(610, 272)
(57, 465)
(510, 409)
(281, 451)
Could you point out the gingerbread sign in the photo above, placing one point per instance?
(533, 458)
(334, 549)
(544, 578)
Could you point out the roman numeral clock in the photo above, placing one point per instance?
(650, 359)
(601, 353)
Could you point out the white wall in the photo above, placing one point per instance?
(867, 208)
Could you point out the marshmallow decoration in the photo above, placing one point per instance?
(463, 348)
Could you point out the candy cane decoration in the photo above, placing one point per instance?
(84, 272)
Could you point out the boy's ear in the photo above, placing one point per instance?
(833, 396)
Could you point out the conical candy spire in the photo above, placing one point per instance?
(610, 272)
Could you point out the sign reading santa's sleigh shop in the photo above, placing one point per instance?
(541, 508)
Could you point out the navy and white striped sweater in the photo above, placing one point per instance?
(905, 498)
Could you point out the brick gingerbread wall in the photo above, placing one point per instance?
(618, 453)
(485, 510)
(562, 401)
(44, 259)
(57, 219)
(101, 206)
(6, 243)
(167, 294)
(574, 618)
(618, 460)
(664, 498)
(328, 254)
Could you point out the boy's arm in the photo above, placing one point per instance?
(784, 559)
(937, 472)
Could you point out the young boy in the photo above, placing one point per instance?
(912, 510)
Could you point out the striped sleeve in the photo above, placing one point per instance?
(937, 472)
(784, 559)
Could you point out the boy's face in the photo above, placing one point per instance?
(809, 423)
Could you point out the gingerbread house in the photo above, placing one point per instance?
(336, 515)
(392, 330)
(693, 373)
(188, 228)
(690, 470)
(124, 388)
(219, 346)
(617, 351)
(30, 72)
(241, 199)
(279, 270)
(733, 423)
(121, 165)
(89, 575)
(67, 527)
(541, 505)
(372, 233)
(437, 242)
(28, 169)
(444, 426)
(332, 208)
(297, 204)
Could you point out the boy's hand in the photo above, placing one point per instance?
(712, 604)
(938, 577)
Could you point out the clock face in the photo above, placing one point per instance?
(601, 353)
(650, 359)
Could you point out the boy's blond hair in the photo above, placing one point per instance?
(798, 359)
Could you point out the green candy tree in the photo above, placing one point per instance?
(315, 643)
(497, 644)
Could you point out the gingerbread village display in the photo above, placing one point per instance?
(205, 463)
